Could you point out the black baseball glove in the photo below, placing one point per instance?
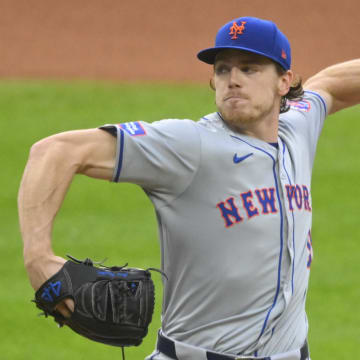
(113, 305)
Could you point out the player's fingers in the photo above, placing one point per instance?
(70, 304)
(66, 308)
(63, 310)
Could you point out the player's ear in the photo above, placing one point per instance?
(211, 83)
(285, 81)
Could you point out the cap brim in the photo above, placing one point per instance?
(208, 55)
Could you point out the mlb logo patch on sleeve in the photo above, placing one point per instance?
(302, 105)
(133, 128)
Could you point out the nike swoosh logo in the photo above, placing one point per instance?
(237, 159)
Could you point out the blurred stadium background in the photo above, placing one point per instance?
(82, 63)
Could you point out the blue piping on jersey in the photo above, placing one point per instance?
(205, 118)
(293, 218)
(121, 154)
(156, 354)
(281, 232)
(320, 97)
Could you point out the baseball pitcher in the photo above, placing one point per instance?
(232, 194)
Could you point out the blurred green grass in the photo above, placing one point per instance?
(100, 219)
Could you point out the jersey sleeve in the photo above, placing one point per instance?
(161, 157)
(305, 120)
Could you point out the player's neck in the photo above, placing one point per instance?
(265, 129)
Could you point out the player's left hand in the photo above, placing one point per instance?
(111, 305)
(41, 269)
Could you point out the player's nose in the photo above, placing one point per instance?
(235, 78)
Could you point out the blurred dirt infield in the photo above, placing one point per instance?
(157, 40)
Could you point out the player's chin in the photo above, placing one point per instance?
(237, 117)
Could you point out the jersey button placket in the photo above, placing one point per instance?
(288, 288)
(283, 181)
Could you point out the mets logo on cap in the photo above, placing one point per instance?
(236, 29)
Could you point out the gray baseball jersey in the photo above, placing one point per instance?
(234, 216)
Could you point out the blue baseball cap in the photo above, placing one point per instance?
(251, 34)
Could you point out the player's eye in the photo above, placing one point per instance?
(250, 69)
(247, 69)
(222, 69)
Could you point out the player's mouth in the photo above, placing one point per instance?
(235, 97)
(235, 100)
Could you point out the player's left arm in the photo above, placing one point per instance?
(338, 84)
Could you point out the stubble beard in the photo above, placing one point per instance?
(240, 119)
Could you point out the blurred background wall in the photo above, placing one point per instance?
(157, 40)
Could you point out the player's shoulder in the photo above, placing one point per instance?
(309, 109)
(305, 118)
(212, 122)
(310, 102)
(141, 128)
(171, 124)
(170, 129)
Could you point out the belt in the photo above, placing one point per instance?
(167, 347)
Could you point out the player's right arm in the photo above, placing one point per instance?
(52, 164)
(338, 84)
